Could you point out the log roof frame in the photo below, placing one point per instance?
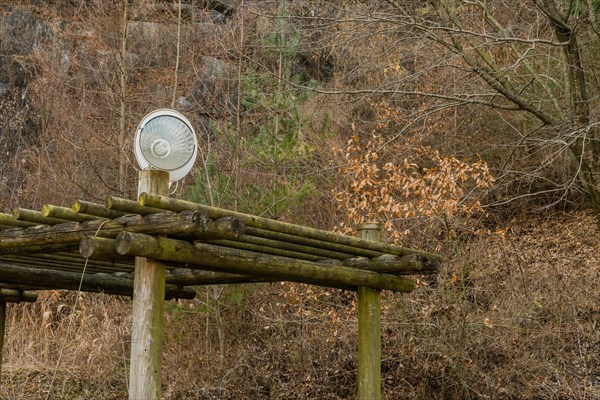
(51, 248)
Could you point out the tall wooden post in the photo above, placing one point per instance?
(148, 305)
(369, 330)
(2, 330)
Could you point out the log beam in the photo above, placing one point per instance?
(130, 206)
(167, 203)
(222, 259)
(9, 219)
(187, 223)
(88, 208)
(23, 214)
(38, 278)
(412, 264)
(48, 210)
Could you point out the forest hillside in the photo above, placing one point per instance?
(466, 128)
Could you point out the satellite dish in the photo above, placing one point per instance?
(165, 140)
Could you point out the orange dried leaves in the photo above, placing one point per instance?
(426, 186)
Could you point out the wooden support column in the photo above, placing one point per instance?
(369, 330)
(148, 306)
(2, 330)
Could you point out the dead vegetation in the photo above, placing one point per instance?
(272, 91)
(512, 316)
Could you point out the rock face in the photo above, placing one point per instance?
(214, 93)
(21, 34)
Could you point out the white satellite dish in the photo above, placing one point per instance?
(165, 140)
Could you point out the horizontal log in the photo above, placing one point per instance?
(36, 278)
(76, 259)
(221, 259)
(190, 277)
(9, 220)
(89, 208)
(102, 248)
(17, 296)
(97, 248)
(23, 214)
(167, 203)
(412, 264)
(321, 253)
(130, 206)
(48, 210)
(91, 266)
(263, 249)
(39, 249)
(351, 252)
(157, 224)
(222, 228)
(179, 274)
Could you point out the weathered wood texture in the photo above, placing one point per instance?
(148, 305)
(23, 214)
(9, 220)
(130, 206)
(325, 238)
(2, 332)
(42, 278)
(187, 276)
(369, 331)
(89, 208)
(96, 248)
(324, 257)
(66, 263)
(405, 265)
(189, 223)
(223, 259)
(49, 210)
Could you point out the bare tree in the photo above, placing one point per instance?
(531, 63)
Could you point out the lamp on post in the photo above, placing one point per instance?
(165, 149)
(166, 141)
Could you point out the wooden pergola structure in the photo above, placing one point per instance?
(158, 248)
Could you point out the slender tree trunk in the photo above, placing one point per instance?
(584, 147)
(123, 103)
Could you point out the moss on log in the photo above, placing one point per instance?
(39, 249)
(187, 223)
(167, 203)
(36, 278)
(293, 247)
(406, 265)
(9, 219)
(97, 248)
(51, 211)
(88, 208)
(102, 248)
(263, 249)
(23, 214)
(284, 237)
(44, 263)
(222, 259)
(190, 277)
(130, 206)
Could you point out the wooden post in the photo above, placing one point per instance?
(148, 305)
(2, 330)
(369, 330)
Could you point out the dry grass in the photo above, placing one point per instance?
(513, 318)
